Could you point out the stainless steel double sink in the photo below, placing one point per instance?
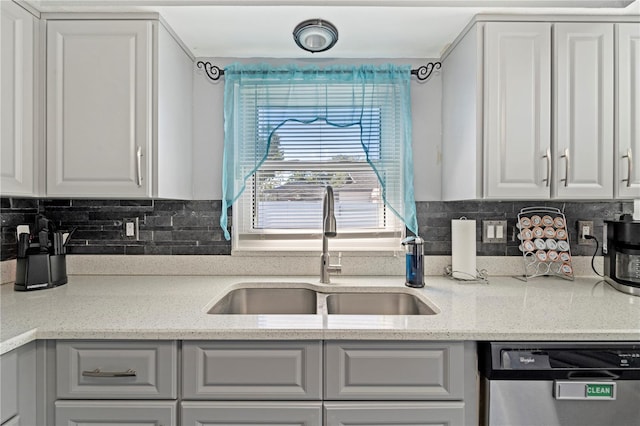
(273, 298)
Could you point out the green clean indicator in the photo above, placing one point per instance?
(599, 390)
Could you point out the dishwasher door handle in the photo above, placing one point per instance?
(592, 375)
(591, 389)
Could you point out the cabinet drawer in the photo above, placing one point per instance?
(393, 371)
(116, 370)
(252, 370)
(253, 413)
(394, 413)
(107, 413)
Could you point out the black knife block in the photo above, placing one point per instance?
(40, 270)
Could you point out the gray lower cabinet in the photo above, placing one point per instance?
(303, 383)
(379, 370)
(272, 413)
(108, 413)
(256, 370)
(110, 382)
(394, 413)
(399, 383)
(18, 386)
(116, 369)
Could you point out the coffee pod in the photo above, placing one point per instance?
(541, 255)
(525, 222)
(549, 232)
(547, 220)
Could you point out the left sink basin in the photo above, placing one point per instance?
(257, 301)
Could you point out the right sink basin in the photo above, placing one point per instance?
(376, 304)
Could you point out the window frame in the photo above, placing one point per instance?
(283, 240)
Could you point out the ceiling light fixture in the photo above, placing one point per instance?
(315, 35)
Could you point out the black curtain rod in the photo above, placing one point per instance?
(422, 73)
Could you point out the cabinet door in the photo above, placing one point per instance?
(517, 74)
(251, 413)
(583, 135)
(252, 370)
(393, 413)
(108, 413)
(8, 386)
(393, 370)
(99, 88)
(17, 104)
(628, 131)
(18, 386)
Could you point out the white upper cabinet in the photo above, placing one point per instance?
(18, 109)
(107, 111)
(517, 60)
(98, 108)
(627, 152)
(528, 112)
(583, 130)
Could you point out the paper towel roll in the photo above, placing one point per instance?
(463, 249)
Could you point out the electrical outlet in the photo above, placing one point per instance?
(131, 228)
(494, 231)
(585, 227)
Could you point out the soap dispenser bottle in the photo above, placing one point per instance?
(415, 261)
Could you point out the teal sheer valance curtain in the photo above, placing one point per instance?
(341, 96)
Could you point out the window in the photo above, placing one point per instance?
(283, 200)
(289, 136)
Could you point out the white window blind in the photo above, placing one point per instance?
(349, 136)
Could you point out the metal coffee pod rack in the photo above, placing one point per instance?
(544, 242)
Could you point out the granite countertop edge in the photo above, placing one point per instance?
(174, 308)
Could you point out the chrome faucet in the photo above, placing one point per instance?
(328, 231)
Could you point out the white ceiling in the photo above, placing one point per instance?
(367, 29)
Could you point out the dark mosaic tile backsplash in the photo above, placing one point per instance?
(191, 227)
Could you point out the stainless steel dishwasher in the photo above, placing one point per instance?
(546, 384)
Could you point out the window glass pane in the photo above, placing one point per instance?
(305, 156)
(292, 199)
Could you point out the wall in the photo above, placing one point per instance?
(191, 227)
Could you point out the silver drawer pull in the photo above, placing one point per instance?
(98, 373)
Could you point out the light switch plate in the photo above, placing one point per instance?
(131, 228)
(494, 231)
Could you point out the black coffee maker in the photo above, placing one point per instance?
(41, 261)
(622, 254)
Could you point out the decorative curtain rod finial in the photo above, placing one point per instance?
(425, 71)
(213, 72)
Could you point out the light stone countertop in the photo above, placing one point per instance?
(174, 307)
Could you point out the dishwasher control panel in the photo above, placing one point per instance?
(560, 360)
(544, 359)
